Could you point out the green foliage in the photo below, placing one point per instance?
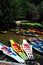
(20, 9)
(11, 10)
(7, 13)
(40, 9)
(36, 2)
(32, 12)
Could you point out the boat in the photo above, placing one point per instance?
(17, 48)
(19, 33)
(37, 41)
(28, 49)
(9, 52)
(30, 34)
(32, 30)
(4, 32)
(36, 46)
(36, 31)
(26, 33)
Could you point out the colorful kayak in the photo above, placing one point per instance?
(16, 47)
(9, 52)
(28, 49)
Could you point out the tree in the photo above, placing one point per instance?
(20, 9)
(7, 13)
(32, 12)
(36, 2)
(40, 9)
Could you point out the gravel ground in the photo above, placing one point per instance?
(10, 63)
(4, 64)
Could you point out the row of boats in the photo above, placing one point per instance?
(27, 34)
(22, 53)
(30, 32)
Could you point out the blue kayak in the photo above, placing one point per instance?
(38, 39)
(37, 46)
(38, 42)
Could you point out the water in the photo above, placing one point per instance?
(4, 38)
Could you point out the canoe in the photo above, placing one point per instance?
(28, 49)
(17, 48)
(9, 52)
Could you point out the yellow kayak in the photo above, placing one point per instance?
(17, 48)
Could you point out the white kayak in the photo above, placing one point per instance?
(9, 52)
(28, 49)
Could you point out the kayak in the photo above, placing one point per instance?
(36, 31)
(27, 34)
(40, 32)
(17, 48)
(37, 47)
(9, 52)
(37, 41)
(28, 49)
(30, 34)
